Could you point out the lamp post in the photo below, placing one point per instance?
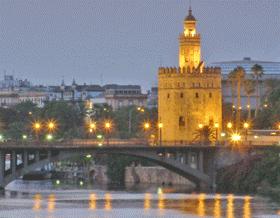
(160, 126)
(246, 126)
(146, 127)
(216, 125)
(235, 138)
(107, 126)
(36, 128)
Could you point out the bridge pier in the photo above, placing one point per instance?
(13, 164)
(2, 168)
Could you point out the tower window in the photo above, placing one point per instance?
(196, 95)
(182, 95)
(210, 94)
(181, 121)
(168, 95)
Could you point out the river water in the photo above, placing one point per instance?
(48, 199)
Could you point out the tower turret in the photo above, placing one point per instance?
(189, 49)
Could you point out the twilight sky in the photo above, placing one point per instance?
(125, 41)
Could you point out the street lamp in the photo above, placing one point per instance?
(107, 126)
(229, 125)
(200, 126)
(160, 126)
(246, 126)
(146, 125)
(36, 126)
(51, 125)
(216, 125)
(235, 138)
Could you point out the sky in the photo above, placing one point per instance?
(125, 41)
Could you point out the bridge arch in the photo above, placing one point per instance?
(194, 175)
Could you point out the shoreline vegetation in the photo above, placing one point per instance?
(259, 175)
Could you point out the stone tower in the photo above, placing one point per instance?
(188, 96)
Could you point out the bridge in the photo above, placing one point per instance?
(197, 163)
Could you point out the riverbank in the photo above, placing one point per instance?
(258, 175)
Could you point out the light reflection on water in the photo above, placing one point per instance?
(160, 201)
(198, 205)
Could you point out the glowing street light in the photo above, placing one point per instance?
(236, 138)
(229, 125)
(246, 126)
(49, 137)
(51, 125)
(37, 126)
(147, 126)
(107, 125)
(24, 137)
(200, 126)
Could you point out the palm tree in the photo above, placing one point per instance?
(232, 82)
(270, 85)
(257, 71)
(204, 135)
(237, 76)
(249, 88)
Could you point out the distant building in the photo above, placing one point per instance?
(9, 83)
(8, 99)
(271, 72)
(114, 95)
(37, 98)
(11, 98)
(118, 96)
(153, 97)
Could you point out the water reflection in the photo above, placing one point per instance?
(201, 205)
(108, 202)
(230, 206)
(217, 206)
(247, 207)
(147, 201)
(37, 202)
(92, 201)
(51, 203)
(161, 204)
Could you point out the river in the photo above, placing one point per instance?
(48, 199)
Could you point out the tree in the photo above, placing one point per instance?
(69, 117)
(16, 130)
(249, 88)
(204, 135)
(257, 71)
(237, 77)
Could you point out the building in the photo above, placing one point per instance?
(191, 94)
(11, 98)
(118, 96)
(9, 83)
(271, 72)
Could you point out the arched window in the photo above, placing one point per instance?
(181, 121)
(196, 95)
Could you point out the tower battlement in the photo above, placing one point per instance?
(186, 70)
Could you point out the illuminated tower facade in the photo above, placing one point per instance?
(189, 47)
(188, 96)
